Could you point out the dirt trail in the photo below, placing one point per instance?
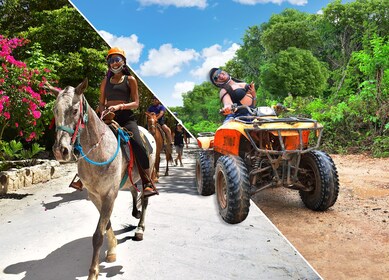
(351, 239)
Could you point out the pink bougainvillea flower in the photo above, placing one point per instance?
(31, 136)
(36, 114)
(7, 115)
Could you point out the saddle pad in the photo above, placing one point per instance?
(146, 143)
(114, 127)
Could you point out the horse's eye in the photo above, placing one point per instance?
(75, 111)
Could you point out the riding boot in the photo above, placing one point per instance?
(148, 187)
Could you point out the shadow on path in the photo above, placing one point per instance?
(65, 197)
(70, 261)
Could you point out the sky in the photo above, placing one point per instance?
(172, 44)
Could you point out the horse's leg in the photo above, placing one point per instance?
(141, 225)
(112, 243)
(167, 166)
(154, 176)
(136, 203)
(98, 237)
(156, 165)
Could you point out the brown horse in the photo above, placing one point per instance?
(159, 135)
(102, 166)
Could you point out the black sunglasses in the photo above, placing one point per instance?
(216, 75)
(112, 60)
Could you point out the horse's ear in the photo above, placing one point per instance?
(52, 89)
(82, 87)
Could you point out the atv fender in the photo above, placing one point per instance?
(205, 142)
(228, 137)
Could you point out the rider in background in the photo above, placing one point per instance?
(160, 111)
(119, 94)
(233, 91)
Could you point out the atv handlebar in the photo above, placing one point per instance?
(235, 107)
(258, 111)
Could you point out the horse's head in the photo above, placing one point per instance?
(151, 122)
(68, 114)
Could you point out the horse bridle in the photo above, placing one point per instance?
(153, 124)
(80, 123)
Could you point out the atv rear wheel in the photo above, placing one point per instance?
(321, 176)
(232, 189)
(204, 174)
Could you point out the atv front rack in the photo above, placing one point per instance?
(292, 133)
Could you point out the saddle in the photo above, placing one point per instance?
(126, 149)
(148, 189)
(114, 126)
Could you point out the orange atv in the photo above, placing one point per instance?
(251, 153)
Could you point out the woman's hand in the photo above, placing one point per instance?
(226, 110)
(251, 89)
(115, 108)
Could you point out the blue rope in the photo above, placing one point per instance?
(121, 133)
(65, 128)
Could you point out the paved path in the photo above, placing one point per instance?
(46, 234)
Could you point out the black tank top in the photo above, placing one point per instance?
(236, 96)
(119, 91)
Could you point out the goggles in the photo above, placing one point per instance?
(116, 59)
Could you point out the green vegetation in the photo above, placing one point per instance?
(45, 45)
(332, 67)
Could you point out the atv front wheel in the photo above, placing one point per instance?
(204, 174)
(318, 173)
(232, 189)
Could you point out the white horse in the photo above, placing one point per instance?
(102, 167)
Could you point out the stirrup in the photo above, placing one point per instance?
(76, 183)
(149, 189)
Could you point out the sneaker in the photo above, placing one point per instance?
(182, 165)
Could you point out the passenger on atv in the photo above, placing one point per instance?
(233, 91)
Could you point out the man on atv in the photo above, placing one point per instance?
(233, 91)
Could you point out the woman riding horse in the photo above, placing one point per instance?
(119, 94)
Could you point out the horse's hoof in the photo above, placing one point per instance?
(138, 234)
(137, 214)
(110, 258)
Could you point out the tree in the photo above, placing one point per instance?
(291, 28)
(344, 28)
(249, 57)
(202, 103)
(58, 31)
(374, 94)
(18, 15)
(294, 71)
